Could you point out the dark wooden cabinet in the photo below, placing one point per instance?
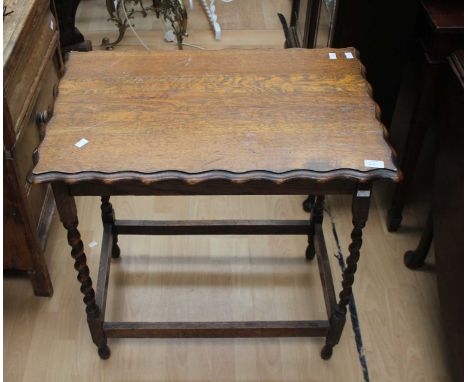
(445, 222)
(381, 30)
(32, 66)
(438, 33)
(448, 209)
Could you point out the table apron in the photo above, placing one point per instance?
(168, 188)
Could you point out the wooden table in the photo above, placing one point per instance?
(288, 122)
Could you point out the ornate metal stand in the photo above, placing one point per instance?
(121, 11)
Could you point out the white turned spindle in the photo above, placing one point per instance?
(212, 17)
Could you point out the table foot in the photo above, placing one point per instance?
(115, 252)
(40, 280)
(310, 252)
(415, 259)
(394, 219)
(104, 352)
(326, 352)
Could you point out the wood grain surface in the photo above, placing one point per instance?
(23, 11)
(228, 111)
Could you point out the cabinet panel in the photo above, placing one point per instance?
(29, 138)
(21, 72)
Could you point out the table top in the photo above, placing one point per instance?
(240, 114)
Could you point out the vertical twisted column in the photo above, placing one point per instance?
(351, 264)
(68, 215)
(361, 203)
(77, 252)
(108, 217)
(210, 11)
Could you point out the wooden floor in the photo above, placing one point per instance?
(227, 278)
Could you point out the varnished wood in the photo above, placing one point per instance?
(156, 185)
(104, 269)
(448, 211)
(21, 246)
(265, 158)
(439, 32)
(31, 71)
(325, 272)
(108, 217)
(231, 103)
(213, 227)
(24, 58)
(67, 211)
(360, 211)
(216, 329)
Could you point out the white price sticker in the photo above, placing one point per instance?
(363, 194)
(82, 142)
(374, 163)
(349, 55)
(332, 56)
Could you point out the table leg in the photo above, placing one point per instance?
(415, 259)
(414, 142)
(68, 215)
(360, 210)
(316, 217)
(108, 217)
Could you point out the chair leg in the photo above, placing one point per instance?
(415, 259)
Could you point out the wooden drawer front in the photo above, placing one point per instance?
(25, 69)
(29, 137)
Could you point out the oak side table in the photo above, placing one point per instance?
(263, 122)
